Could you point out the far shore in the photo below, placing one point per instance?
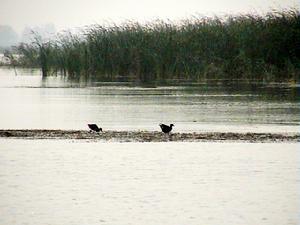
(146, 136)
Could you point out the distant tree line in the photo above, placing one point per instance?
(244, 47)
(9, 37)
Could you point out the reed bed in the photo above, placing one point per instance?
(244, 47)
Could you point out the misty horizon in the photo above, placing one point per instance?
(18, 19)
(65, 15)
(9, 36)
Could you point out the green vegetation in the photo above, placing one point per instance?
(244, 47)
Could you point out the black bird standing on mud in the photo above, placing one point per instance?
(94, 127)
(165, 128)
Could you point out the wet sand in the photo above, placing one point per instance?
(146, 136)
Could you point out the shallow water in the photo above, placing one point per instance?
(77, 182)
(29, 101)
(84, 182)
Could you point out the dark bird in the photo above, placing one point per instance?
(165, 128)
(94, 127)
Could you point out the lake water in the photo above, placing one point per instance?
(54, 182)
(29, 101)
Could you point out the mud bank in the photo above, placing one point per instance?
(146, 136)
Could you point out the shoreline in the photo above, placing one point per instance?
(147, 136)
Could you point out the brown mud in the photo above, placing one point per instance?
(146, 136)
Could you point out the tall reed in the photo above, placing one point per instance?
(248, 47)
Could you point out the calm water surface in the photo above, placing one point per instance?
(63, 182)
(29, 101)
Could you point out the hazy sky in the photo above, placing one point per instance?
(75, 13)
